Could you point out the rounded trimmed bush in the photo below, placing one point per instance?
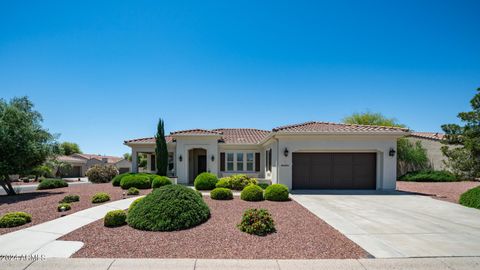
(116, 180)
(70, 199)
(101, 173)
(133, 191)
(160, 181)
(223, 183)
(205, 181)
(66, 207)
(276, 192)
(138, 181)
(100, 197)
(221, 194)
(115, 218)
(14, 219)
(252, 193)
(52, 183)
(169, 208)
(471, 198)
(257, 221)
(263, 185)
(134, 203)
(199, 193)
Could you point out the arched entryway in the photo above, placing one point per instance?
(197, 163)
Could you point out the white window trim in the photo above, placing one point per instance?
(244, 161)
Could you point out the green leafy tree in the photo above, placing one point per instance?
(161, 151)
(41, 171)
(69, 148)
(24, 143)
(464, 157)
(370, 118)
(127, 156)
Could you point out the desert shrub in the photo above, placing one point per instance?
(221, 194)
(138, 181)
(252, 193)
(471, 198)
(115, 218)
(257, 221)
(236, 182)
(133, 191)
(276, 192)
(135, 203)
(429, 176)
(263, 185)
(66, 207)
(100, 197)
(160, 181)
(52, 183)
(14, 219)
(70, 199)
(169, 208)
(205, 181)
(116, 180)
(101, 173)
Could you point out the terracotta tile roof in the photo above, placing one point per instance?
(110, 159)
(196, 132)
(242, 135)
(71, 159)
(428, 135)
(148, 140)
(334, 127)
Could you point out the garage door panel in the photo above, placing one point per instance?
(321, 169)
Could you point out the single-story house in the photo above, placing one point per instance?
(311, 155)
(431, 141)
(82, 162)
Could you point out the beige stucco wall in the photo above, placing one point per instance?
(434, 153)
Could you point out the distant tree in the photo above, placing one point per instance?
(161, 151)
(370, 118)
(24, 143)
(127, 156)
(61, 168)
(41, 171)
(464, 158)
(69, 148)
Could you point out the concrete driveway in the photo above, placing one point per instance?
(394, 224)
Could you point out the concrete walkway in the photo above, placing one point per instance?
(41, 239)
(459, 263)
(395, 225)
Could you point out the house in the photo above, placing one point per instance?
(82, 162)
(431, 141)
(311, 155)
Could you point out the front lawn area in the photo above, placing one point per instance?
(299, 235)
(42, 204)
(447, 191)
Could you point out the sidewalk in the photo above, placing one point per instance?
(452, 263)
(41, 239)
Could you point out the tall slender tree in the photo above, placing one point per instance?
(161, 151)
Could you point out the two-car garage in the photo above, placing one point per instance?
(334, 170)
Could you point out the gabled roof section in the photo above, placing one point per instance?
(242, 135)
(428, 135)
(110, 159)
(196, 132)
(147, 140)
(71, 159)
(327, 127)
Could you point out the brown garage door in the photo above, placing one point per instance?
(334, 171)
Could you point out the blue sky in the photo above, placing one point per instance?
(101, 72)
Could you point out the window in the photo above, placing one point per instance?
(249, 161)
(268, 160)
(229, 161)
(152, 162)
(170, 161)
(240, 161)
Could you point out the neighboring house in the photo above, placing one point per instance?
(311, 155)
(82, 162)
(431, 141)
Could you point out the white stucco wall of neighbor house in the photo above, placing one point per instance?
(380, 144)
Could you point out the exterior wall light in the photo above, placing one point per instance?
(285, 152)
(213, 158)
(391, 152)
(180, 158)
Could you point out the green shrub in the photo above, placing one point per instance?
(66, 207)
(221, 194)
(14, 219)
(70, 199)
(236, 182)
(160, 181)
(116, 180)
(138, 181)
(276, 192)
(252, 193)
(101, 173)
(169, 208)
(135, 203)
(471, 198)
(100, 197)
(263, 185)
(257, 221)
(205, 181)
(51, 184)
(115, 218)
(429, 176)
(199, 193)
(133, 191)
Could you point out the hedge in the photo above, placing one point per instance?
(276, 192)
(252, 193)
(205, 181)
(51, 184)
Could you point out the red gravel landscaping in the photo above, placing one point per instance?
(300, 235)
(446, 191)
(42, 204)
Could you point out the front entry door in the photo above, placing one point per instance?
(202, 164)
